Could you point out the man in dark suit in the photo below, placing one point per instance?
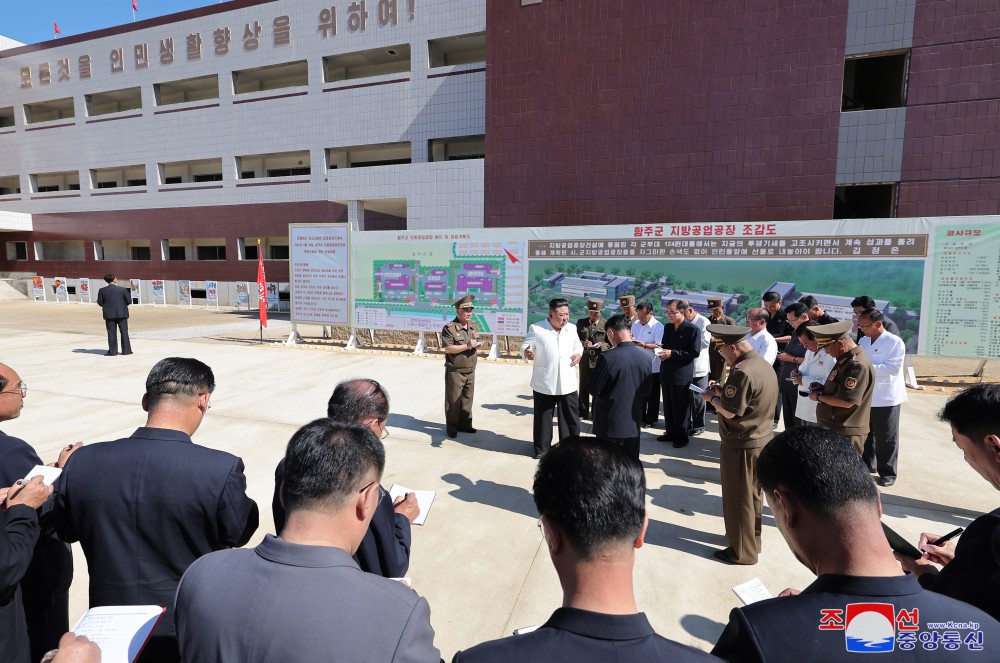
(681, 344)
(970, 570)
(115, 300)
(146, 506)
(619, 384)
(827, 508)
(385, 550)
(18, 534)
(45, 586)
(594, 559)
(300, 596)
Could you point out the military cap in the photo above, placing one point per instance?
(715, 302)
(728, 334)
(827, 334)
(465, 302)
(595, 304)
(626, 300)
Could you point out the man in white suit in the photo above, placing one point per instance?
(556, 350)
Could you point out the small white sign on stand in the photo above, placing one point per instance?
(83, 289)
(159, 292)
(38, 288)
(273, 298)
(60, 289)
(135, 285)
(212, 293)
(242, 294)
(184, 292)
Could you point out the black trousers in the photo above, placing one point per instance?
(882, 446)
(788, 398)
(113, 326)
(568, 408)
(585, 371)
(651, 407)
(629, 445)
(698, 404)
(778, 403)
(676, 412)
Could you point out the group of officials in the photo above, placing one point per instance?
(162, 520)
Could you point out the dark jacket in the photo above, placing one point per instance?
(18, 534)
(115, 301)
(684, 345)
(619, 385)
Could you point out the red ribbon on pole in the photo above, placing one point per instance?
(261, 286)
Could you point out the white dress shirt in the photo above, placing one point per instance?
(701, 362)
(765, 345)
(815, 367)
(551, 373)
(888, 354)
(649, 333)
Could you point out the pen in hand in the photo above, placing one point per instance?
(947, 537)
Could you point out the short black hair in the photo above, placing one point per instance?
(178, 376)
(809, 301)
(798, 309)
(558, 302)
(803, 329)
(109, 277)
(327, 461)
(358, 399)
(864, 301)
(771, 296)
(974, 412)
(873, 315)
(593, 491)
(618, 322)
(822, 469)
(644, 306)
(679, 304)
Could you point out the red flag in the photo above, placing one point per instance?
(55, 26)
(261, 284)
(135, 5)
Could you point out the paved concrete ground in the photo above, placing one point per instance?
(479, 560)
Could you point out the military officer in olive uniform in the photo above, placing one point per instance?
(592, 336)
(845, 401)
(716, 364)
(627, 302)
(459, 340)
(745, 404)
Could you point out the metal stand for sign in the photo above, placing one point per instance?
(352, 340)
(293, 337)
(494, 348)
(421, 348)
(910, 375)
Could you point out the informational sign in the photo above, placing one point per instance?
(159, 294)
(212, 292)
(938, 279)
(59, 288)
(38, 288)
(135, 285)
(83, 289)
(184, 292)
(273, 299)
(243, 294)
(319, 269)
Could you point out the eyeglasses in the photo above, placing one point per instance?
(381, 491)
(381, 424)
(22, 388)
(861, 326)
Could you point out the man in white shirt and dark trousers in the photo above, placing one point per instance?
(556, 350)
(647, 332)
(888, 355)
(761, 339)
(701, 366)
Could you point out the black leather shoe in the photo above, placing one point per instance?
(680, 443)
(538, 454)
(663, 438)
(467, 428)
(885, 482)
(452, 432)
(723, 556)
(110, 354)
(126, 353)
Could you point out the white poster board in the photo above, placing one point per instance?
(135, 285)
(59, 289)
(212, 293)
(243, 294)
(159, 292)
(83, 289)
(184, 292)
(37, 288)
(319, 269)
(273, 298)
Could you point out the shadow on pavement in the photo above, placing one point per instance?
(516, 410)
(84, 351)
(702, 627)
(502, 496)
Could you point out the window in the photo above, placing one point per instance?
(17, 250)
(10, 185)
(211, 252)
(107, 185)
(250, 252)
(176, 253)
(361, 156)
(197, 293)
(464, 49)
(189, 89)
(6, 116)
(272, 77)
(279, 252)
(866, 201)
(68, 250)
(455, 149)
(362, 64)
(278, 164)
(199, 170)
(116, 101)
(122, 249)
(875, 82)
(45, 111)
(140, 253)
(46, 182)
(136, 182)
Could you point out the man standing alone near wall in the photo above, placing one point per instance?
(115, 300)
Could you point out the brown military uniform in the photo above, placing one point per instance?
(852, 379)
(459, 375)
(716, 363)
(750, 392)
(626, 301)
(593, 332)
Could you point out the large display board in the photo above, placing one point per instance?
(937, 278)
